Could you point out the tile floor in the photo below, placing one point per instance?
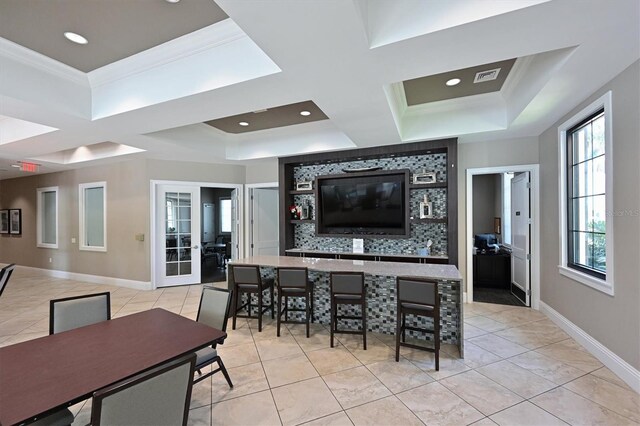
(519, 369)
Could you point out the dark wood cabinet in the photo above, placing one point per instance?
(492, 270)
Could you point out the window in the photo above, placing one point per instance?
(586, 234)
(93, 217)
(47, 217)
(225, 215)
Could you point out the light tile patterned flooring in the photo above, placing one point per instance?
(519, 368)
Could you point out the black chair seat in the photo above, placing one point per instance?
(300, 290)
(249, 287)
(417, 306)
(347, 296)
(204, 356)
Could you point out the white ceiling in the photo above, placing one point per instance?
(346, 56)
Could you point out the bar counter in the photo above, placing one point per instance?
(380, 281)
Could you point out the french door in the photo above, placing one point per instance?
(178, 235)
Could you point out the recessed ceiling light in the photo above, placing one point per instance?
(172, 1)
(76, 38)
(453, 82)
(17, 166)
(305, 113)
(243, 123)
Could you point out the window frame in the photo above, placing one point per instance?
(604, 284)
(39, 216)
(81, 219)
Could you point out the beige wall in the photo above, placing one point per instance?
(613, 321)
(509, 152)
(128, 213)
(262, 172)
(126, 202)
(484, 203)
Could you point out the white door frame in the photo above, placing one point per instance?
(153, 186)
(247, 212)
(534, 172)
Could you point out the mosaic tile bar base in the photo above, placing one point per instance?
(381, 306)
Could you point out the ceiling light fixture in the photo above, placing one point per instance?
(453, 82)
(305, 113)
(17, 166)
(243, 123)
(172, 1)
(76, 38)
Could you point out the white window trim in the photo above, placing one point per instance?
(605, 286)
(82, 233)
(39, 210)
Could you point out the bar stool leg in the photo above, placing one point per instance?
(278, 317)
(312, 310)
(398, 328)
(259, 310)
(236, 297)
(436, 327)
(272, 300)
(364, 323)
(333, 314)
(306, 301)
(404, 324)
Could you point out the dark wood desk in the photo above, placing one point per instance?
(41, 375)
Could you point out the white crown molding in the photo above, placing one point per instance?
(94, 279)
(31, 58)
(620, 367)
(214, 35)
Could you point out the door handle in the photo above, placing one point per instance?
(195, 247)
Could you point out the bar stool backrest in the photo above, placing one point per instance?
(246, 274)
(292, 277)
(415, 290)
(347, 282)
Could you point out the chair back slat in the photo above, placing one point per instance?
(246, 274)
(214, 307)
(423, 292)
(347, 283)
(160, 397)
(73, 312)
(5, 274)
(292, 277)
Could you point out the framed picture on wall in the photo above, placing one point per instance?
(15, 221)
(4, 221)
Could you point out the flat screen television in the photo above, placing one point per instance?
(363, 204)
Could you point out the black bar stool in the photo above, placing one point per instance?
(347, 288)
(418, 296)
(294, 282)
(247, 280)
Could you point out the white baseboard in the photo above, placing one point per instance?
(94, 279)
(620, 367)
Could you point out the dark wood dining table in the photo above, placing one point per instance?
(42, 375)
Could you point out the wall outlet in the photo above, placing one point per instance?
(73, 240)
(139, 237)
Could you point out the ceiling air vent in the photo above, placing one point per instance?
(488, 75)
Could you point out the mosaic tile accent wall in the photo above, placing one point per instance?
(304, 233)
(381, 307)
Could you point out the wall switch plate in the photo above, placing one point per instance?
(73, 240)
(139, 237)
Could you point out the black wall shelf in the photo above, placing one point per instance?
(430, 220)
(306, 191)
(413, 186)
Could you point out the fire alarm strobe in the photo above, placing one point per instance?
(304, 186)
(424, 177)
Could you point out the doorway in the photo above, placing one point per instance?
(502, 238)
(184, 249)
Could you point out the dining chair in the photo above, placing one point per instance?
(247, 280)
(5, 274)
(214, 312)
(73, 312)
(160, 396)
(293, 282)
(419, 297)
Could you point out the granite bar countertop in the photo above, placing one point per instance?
(372, 254)
(427, 270)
